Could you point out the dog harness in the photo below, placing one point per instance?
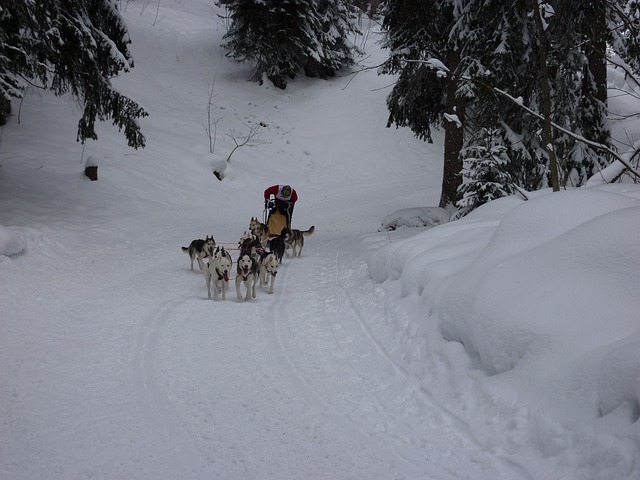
(245, 277)
(220, 274)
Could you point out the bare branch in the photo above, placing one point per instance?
(212, 124)
(251, 139)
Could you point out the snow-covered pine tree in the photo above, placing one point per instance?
(500, 52)
(498, 47)
(70, 46)
(484, 174)
(268, 33)
(578, 33)
(623, 30)
(284, 37)
(485, 44)
(576, 105)
(580, 59)
(416, 31)
(333, 48)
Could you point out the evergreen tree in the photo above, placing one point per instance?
(501, 52)
(485, 175)
(70, 46)
(580, 62)
(283, 37)
(418, 30)
(492, 44)
(623, 30)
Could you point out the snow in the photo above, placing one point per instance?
(436, 65)
(10, 242)
(415, 217)
(453, 119)
(501, 346)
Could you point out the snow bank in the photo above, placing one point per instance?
(541, 296)
(415, 217)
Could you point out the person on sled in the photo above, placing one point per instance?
(280, 208)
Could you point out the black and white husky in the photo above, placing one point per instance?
(295, 239)
(200, 249)
(268, 269)
(218, 269)
(247, 274)
(277, 245)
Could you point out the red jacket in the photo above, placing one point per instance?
(276, 191)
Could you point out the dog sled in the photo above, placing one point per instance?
(274, 219)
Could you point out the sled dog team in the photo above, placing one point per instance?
(259, 258)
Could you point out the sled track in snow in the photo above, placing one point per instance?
(345, 370)
(516, 470)
(152, 399)
(282, 321)
(331, 359)
(320, 339)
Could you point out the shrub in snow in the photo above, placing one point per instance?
(485, 175)
(285, 37)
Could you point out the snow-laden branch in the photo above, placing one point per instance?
(624, 159)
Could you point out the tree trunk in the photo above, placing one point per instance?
(547, 136)
(453, 137)
(5, 110)
(373, 8)
(596, 52)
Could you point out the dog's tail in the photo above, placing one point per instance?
(185, 249)
(306, 233)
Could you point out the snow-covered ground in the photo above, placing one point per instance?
(503, 346)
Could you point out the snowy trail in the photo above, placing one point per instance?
(294, 371)
(151, 397)
(291, 385)
(224, 387)
(337, 359)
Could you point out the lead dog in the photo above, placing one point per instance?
(247, 273)
(221, 252)
(218, 268)
(268, 268)
(200, 249)
(295, 239)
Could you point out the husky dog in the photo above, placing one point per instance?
(247, 273)
(244, 237)
(200, 249)
(268, 268)
(277, 245)
(259, 229)
(221, 252)
(218, 268)
(295, 239)
(250, 244)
